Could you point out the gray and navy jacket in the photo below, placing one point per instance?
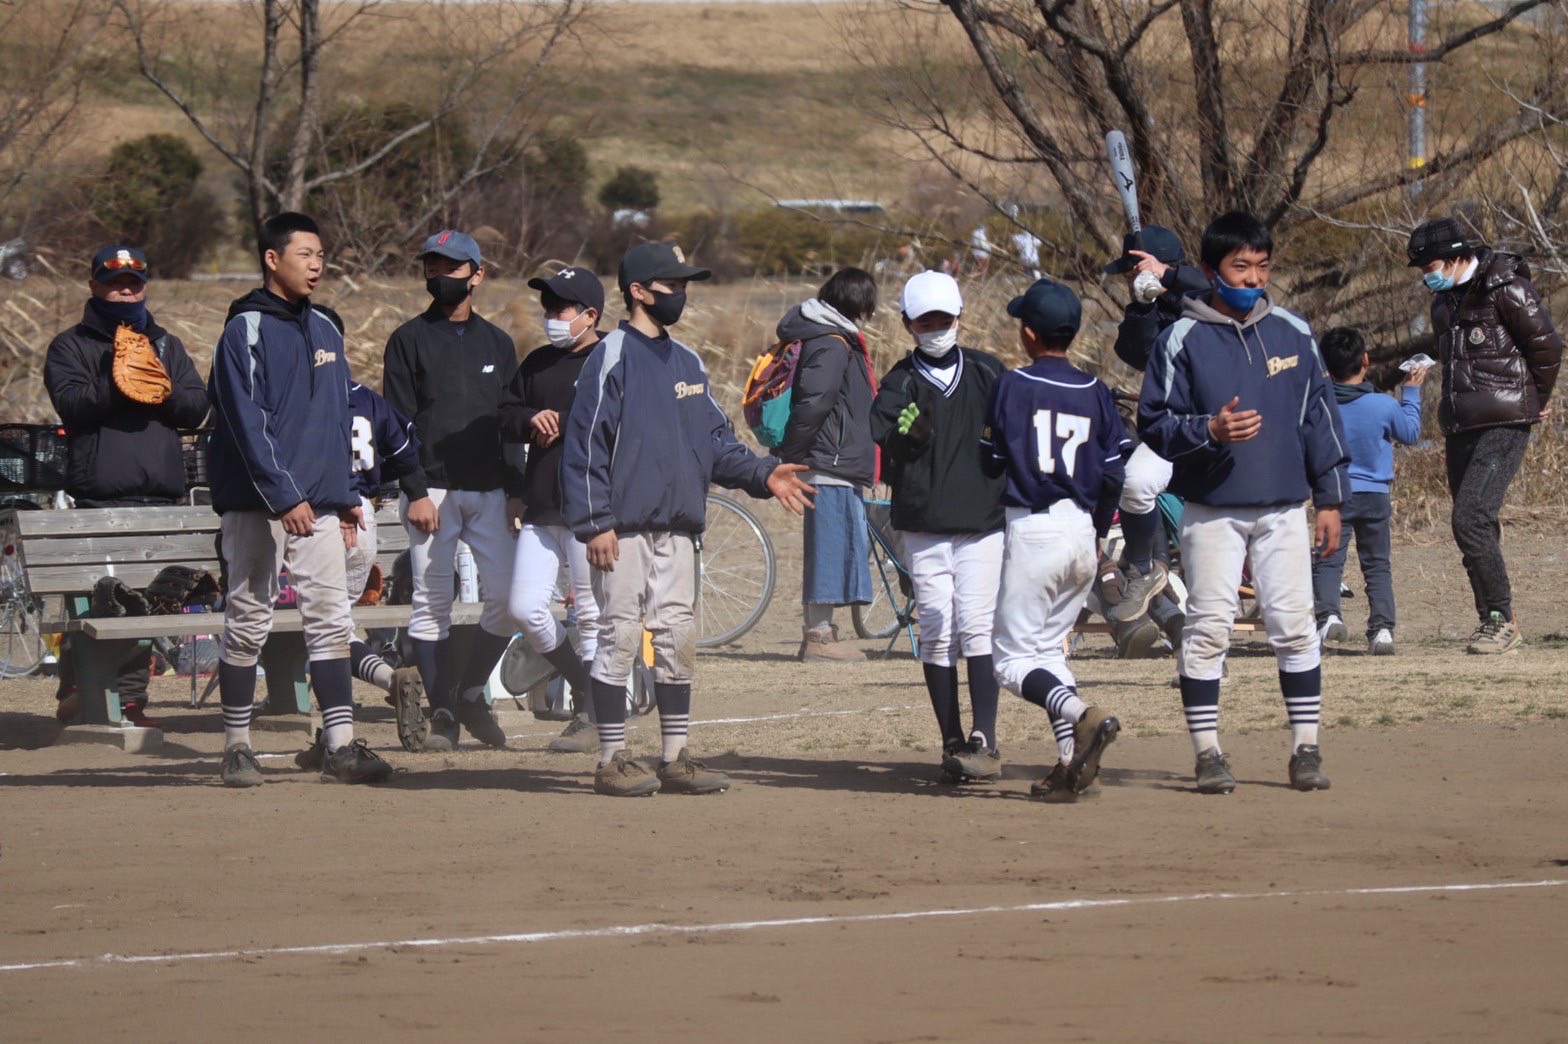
(280, 409)
(645, 438)
(1270, 361)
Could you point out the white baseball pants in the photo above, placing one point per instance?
(1048, 565)
(1215, 543)
(1148, 474)
(956, 578)
(542, 552)
(479, 520)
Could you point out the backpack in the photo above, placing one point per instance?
(766, 401)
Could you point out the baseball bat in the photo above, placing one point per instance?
(1126, 182)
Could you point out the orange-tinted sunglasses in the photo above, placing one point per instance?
(115, 264)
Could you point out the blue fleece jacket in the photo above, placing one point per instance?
(1270, 361)
(645, 438)
(280, 410)
(1373, 423)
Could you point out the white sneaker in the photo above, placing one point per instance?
(1332, 629)
(1381, 643)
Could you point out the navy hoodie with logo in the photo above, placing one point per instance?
(280, 410)
(644, 440)
(1270, 361)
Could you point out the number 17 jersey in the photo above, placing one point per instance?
(1055, 433)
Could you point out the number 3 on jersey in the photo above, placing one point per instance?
(363, 443)
(1070, 428)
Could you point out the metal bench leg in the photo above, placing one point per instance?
(288, 687)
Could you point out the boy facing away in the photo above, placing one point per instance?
(1235, 397)
(279, 460)
(1373, 423)
(1054, 432)
(642, 442)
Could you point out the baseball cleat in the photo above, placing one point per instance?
(1306, 768)
(1092, 733)
(1213, 772)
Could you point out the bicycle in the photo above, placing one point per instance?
(737, 569)
(891, 611)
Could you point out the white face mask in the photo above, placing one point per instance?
(937, 343)
(559, 331)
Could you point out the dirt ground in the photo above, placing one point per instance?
(837, 892)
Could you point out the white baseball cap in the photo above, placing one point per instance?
(931, 292)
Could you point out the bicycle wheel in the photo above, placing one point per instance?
(736, 570)
(22, 647)
(879, 619)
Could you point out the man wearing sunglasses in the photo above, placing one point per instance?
(123, 387)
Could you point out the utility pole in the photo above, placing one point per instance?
(1417, 158)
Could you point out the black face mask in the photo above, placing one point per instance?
(667, 306)
(448, 291)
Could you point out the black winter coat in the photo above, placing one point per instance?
(1142, 323)
(1497, 346)
(939, 481)
(830, 402)
(121, 449)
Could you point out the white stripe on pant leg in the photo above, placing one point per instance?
(1046, 552)
(1281, 557)
(1148, 475)
(488, 533)
(430, 561)
(931, 571)
(1213, 549)
(977, 573)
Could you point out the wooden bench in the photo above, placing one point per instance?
(63, 553)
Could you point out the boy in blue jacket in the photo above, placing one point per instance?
(279, 460)
(1236, 398)
(642, 442)
(1373, 423)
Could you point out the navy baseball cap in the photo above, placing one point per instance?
(459, 246)
(577, 285)
(1048, 308)
(117, 260)
(1157, 240)
(647, 262)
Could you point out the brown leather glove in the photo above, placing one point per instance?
(137, 372)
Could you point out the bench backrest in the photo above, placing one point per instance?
(65, 552)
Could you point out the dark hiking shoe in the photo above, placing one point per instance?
(1496, 635)
(355, 763)
(240, 767)
(1306, 768)
(314, 756)
(481, 724)
(971, 762)
(686, 775)
(1092, 733)
(1053, 787)
(1213, 772)
(579, 737)
(625, 776)
(408, 696)
(1141, 590)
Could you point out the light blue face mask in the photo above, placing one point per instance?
(1437, 282)
(1239, 298)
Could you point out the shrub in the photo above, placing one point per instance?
(149, 196)
(630, 188)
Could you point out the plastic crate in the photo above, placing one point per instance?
(33, 457)
(193, 450)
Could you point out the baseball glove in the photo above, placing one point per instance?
(137, 372)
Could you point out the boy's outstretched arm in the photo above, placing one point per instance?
(736, 467)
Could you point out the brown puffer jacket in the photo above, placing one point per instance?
(1497, 345)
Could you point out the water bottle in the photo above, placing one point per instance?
(467, 575)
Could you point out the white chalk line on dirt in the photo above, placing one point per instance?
(660, 928)
(765, 717)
